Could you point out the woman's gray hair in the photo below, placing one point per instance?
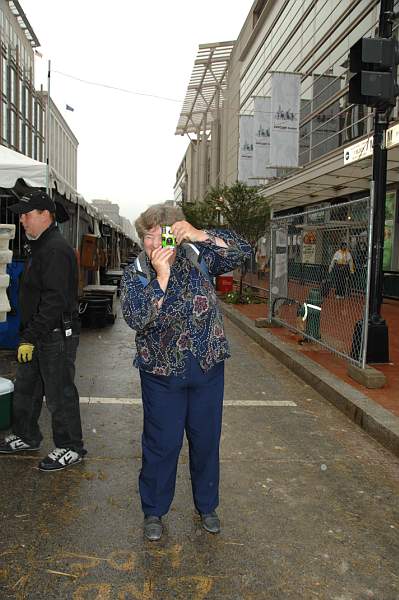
(157, 214)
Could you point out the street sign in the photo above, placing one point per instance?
(358, 151)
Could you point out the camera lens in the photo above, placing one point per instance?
(170, 241)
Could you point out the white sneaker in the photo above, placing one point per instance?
(60, 458)
(13, 443)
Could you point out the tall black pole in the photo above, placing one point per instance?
(378, 345)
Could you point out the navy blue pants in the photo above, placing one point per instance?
(172, 405)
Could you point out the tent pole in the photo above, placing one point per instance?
(48, 133)
(77, 227)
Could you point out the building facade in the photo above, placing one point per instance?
(311, 39)
(22, 113)
(23, 119)
(63, 145)
(200, 120)
(184, 189)
(111, 211)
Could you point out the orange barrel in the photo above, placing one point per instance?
(224, 283)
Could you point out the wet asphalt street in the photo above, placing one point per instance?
(309, 503)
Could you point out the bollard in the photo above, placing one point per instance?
(7, 233)
(310, 311)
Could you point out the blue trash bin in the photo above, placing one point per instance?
(9, 334)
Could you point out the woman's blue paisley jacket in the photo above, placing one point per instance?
(189, 318)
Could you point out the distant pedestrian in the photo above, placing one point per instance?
(261, 257)
(49, 339)
(341, 267)
(168, 297)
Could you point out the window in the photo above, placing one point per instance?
(21, 136)
(24, 101)
(35, 147)
(13, 90)
(355, 125)
(4, 70)
(35, 116)
(25, 138)
(4, 127)
(20, 95)
(12, 128)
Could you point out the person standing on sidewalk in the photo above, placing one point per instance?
(168, 297)
(49, 339)
(341, 267)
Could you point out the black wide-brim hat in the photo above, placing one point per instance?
(39, 200)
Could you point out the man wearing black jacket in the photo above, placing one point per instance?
(49, 339)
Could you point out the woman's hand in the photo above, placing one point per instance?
(161, 259)
(184, 232)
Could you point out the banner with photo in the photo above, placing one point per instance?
(262, 125)
(279, 283)
(284, 133)
(246, 152)
(309, 247)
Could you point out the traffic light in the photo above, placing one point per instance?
(374, 64)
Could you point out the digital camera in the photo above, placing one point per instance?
(168, 239)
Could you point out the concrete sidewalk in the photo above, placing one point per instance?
(361, 407)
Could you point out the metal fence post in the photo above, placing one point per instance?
(271, 263)
(369, 257)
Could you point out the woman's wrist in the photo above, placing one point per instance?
(202, 236)
(209, 237)
(163, 280)
(213, 239)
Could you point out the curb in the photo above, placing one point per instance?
(378, 422)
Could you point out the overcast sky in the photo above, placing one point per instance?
(128, 152)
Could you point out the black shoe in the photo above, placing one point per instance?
(153, 528)
(210, 522)
(13, 443)
(60, 458)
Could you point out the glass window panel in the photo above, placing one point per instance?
(4, 76)
(20, 95)
(4, 125)
(12, 128)
(20, 135)
(12, 87)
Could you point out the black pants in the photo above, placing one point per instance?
(51, 373)
(341, 275)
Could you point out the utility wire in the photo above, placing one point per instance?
(112, 87)
(126, 91)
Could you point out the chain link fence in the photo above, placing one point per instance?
(319, 276)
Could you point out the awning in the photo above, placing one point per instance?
(205, 90)
(14, 166)
(328, 178)
(23, 22)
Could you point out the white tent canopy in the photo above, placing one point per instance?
(14, 166)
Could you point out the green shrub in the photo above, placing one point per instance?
(247, 297)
